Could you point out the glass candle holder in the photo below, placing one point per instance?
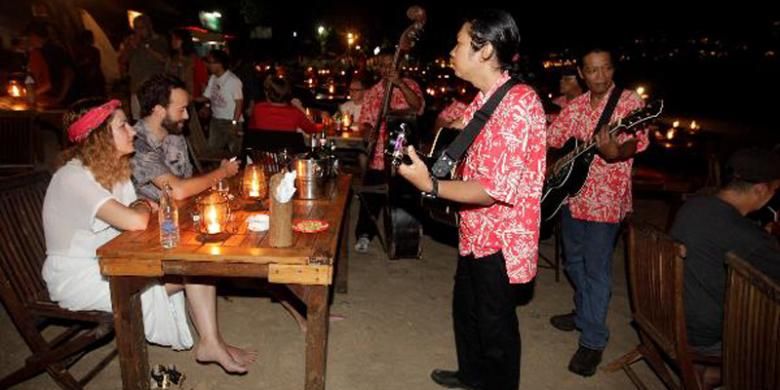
(254, 185)
(214, 210)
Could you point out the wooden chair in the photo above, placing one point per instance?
(198, 144)
(18, 137)
(751, 330)
(655, 273)
(24, 294)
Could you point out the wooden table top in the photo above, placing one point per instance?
(139, 253)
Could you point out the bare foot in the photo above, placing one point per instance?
(217, 353)
(242, 356)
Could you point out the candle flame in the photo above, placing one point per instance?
(212, 220)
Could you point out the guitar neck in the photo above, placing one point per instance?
(586, 146)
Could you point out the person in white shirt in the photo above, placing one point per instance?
(357, 90)
(89, 201)
(226, 100)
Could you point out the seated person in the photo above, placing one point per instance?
(161, 151)
(277, 113)
(711, 226)
(90, 200)
(357, 91)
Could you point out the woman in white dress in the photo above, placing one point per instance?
(90, 200)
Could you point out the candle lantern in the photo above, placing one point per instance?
(214, 210)
(346, 121)
(16, 89)
(254, 185)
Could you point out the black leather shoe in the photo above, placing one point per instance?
(564, 322)
(450, 380)
(585, 361)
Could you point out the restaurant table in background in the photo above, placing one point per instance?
(134, 259)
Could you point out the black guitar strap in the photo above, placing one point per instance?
(450, 156)
(608, 109)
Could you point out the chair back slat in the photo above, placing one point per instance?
(655, 272)
(17, 140)
(751, 334)
(22, 244)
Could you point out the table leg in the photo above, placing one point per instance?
(129, 328)
(342, 258)
(316, 336)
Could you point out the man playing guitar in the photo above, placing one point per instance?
(591, 219)
(502, 177)
(407, 95)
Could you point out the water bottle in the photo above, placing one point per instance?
(169, 219)
(29, 85)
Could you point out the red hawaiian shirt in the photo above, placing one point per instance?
(606, 194)
(508, 159)
(372, 104)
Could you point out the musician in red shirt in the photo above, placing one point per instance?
(499, 191)
(591, 220)
(406, 96)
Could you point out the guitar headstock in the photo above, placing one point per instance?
(397, 143)
(412, 33)
(642, 115)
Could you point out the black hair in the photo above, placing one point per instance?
(277, 89)
(221, 57)
(156, 90)
(498, 28)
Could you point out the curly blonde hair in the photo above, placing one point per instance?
(97, 152)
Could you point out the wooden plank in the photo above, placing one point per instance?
(300, 274)
(191, 268)
(129, 327)
(113, 266)
(317, 310)
(216, 253)
(341, 262)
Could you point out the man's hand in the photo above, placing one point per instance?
(229, 168)
(394, 77)
(416, 172)
(607, 144)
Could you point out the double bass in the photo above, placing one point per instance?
(402, 230)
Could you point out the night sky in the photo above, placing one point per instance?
(545, 25)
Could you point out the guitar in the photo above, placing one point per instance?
(567, 175)
(440, 210)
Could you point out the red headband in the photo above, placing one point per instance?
(80, 129)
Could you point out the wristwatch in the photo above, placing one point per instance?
(434, 190)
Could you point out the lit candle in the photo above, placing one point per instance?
(331, 89)
(254, 189)
(15, 91)
(346, 120)
(212, 222)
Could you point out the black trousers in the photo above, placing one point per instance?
(372, 205)
(487, 334)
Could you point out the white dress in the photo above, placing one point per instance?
(71, 271)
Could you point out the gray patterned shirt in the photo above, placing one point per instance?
(153, 159)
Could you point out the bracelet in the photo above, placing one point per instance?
(434, 190)
(141, 201)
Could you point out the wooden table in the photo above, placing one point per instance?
(135, 259)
